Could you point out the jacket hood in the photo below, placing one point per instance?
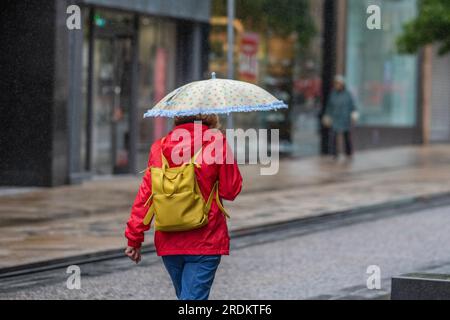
(178, 138)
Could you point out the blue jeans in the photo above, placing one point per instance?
(192, 276)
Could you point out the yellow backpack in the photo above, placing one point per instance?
(177, 202)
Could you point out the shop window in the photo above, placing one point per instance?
(383, 81)
(157, 50)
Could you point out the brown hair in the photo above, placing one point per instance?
(211, 120)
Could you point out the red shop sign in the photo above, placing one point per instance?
(248, 57)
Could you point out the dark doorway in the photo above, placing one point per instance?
(111, 98)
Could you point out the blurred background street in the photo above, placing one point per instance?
(73, 141)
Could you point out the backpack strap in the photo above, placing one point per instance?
(164, 162)
(150, 213)
(164, 167)
(219, 203)
(194, 157)
(215, 195)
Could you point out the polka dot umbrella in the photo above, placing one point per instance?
(215, 96)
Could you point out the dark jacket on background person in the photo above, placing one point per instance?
(339, 108)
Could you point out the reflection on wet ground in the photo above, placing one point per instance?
(40, 224)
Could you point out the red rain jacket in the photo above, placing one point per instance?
(212, 239)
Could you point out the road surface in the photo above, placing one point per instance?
(318, 260)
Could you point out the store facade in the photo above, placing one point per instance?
(386, 85)
(283, 65)
(133, 60)
(99, 81)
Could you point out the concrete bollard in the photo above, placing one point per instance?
(421, 286)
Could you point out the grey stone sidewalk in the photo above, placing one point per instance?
(41, 224)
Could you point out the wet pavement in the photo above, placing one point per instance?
(39, 224)
(327, 260)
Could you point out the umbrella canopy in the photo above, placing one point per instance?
(215, 96)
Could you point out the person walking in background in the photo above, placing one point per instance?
(340, 115)
(191, 256)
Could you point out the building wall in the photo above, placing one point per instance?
(440, 97)
(32, 106)
(43, 101)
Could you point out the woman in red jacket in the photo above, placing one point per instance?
(190, 257)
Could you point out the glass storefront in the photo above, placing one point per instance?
(157, 54)
(307, 91)
(383, 82)
(111, 104)
(285, 67)
(109, 54)
(111, 100)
